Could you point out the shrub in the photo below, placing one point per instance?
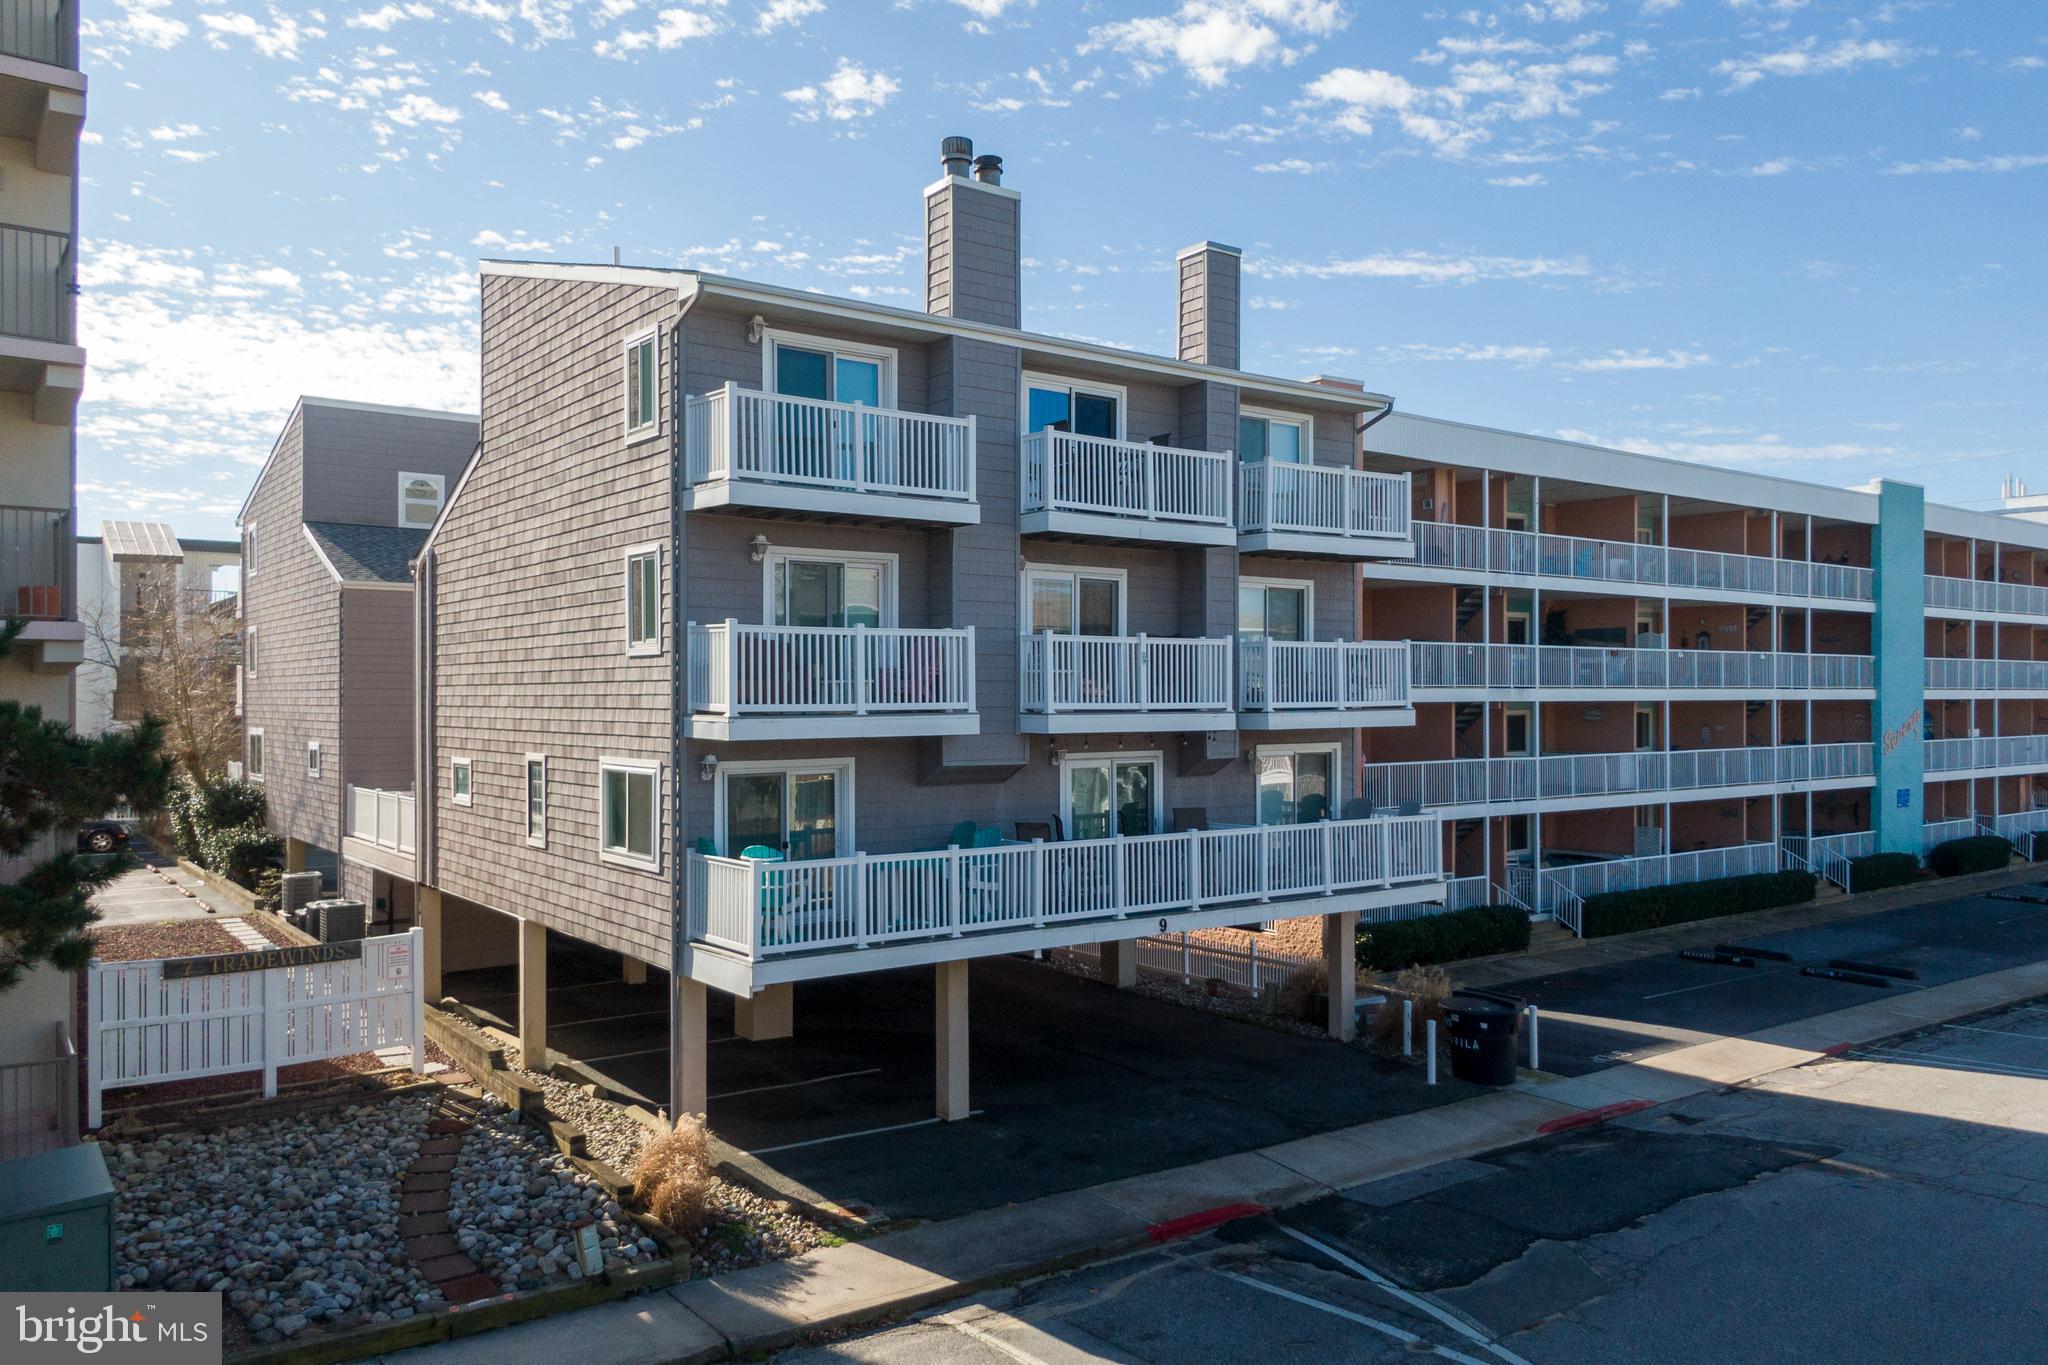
(1979, 853)
(220, 826)
(1878, 870)
(1651, 907)
(673, 1176)
(1428, 987)
(1299, 991)
(1448, 937)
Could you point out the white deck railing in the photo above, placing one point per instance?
(1445, 545)
(762, 909)
(383, 818)
(1987, 675)
(1987, 751)
(1065, 472)
(1321, 500)
(1563, 887)
(2022, 827)
(745, 670)
(1941, 831)
(1972, 594)
(1483, 781)
(744, 435)
(1829, 855)
(39, 1100)
(1124, 673)
(1442, 665)
(1320, 675)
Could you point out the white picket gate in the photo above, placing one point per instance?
(145, 1028)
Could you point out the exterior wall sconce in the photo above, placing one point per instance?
(707, 767)
(756, 325)
(757, 548)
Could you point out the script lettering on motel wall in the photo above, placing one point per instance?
(220, 964)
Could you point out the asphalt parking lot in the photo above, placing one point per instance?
(1073, 1082)
(1599, 1016)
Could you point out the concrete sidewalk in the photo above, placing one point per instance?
(770, 1306)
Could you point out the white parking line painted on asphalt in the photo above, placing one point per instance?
(2003, 1033)
(792, 1085)
(609, 1019)
(620, 1056)
(864, 1132)
(1740, 974)
(1888, 1054)
(1402, 1335)
(1409, 1297)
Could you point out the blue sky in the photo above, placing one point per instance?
(1800, 236)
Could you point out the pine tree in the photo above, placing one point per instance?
(50, 780)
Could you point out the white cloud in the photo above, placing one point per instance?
(672, 28)
(1519, 182)
(1212, 40)
(176, 132)
(1563, 11)
(1639, 360)
(1949, 165)
(1773, 6)
(1682, 92)
(1777, 165)
(493, 240)
(1513, 355)
(1652, 8)
(850, 92)
(1293, 165)
(1489, 84)
(414, 109)
(993, 9)
(385, 17)
(491, 99)
(1424, 267)
(778, 13)
(1807, 58)
(2028, 63)
(141, 22)
(1762, 451)
(280, 38)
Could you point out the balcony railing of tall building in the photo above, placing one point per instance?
(381, 817)
(2025, 828)
(762, 910)
(1978, 595)
(1125, 673)
(39, 1100)
(817, 673)
(1983, 752)
(736, 436)
(1497, 781)
(1277, 498)
(37, 564)
(41, 31)
(1533, 554)
(1444, 666)
(35, 284)
(1563, 890)
(1070, 475)
(1320, 675)
(1987, 675)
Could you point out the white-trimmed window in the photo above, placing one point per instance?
(313, 758)
(1074, 601)
(820, 588)
(461, 780)
(643, 600)
(248, 553)
(1274, 436)
(799, 366)
(420, 497)
(537, 800)
(254, 755)
(800, 808)
(629, 799)
(1299, 784)
(1069, 405)
(1102, 794)
(1280, 609)
(643, 370)
(249, 651)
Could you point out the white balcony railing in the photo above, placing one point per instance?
(744, 435)
(1986, 751)
(1987, 675)
(1443, 545)
(1320, 500)
(1560, 889)
(1507, 667)
(745, 670)
(1066, 472)
(1941, 831)
(1487, 781)
(1972, 594)
(1320, 675)
(1124, 673)
(383, 818)
(761, 909)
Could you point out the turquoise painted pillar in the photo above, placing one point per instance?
(1899, 643)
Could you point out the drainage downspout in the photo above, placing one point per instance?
(677, 671)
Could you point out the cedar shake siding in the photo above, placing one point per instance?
(529, 628)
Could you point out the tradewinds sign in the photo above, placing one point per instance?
(262, 960)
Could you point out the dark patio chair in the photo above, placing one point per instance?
(1187, 818)
(1047, 829)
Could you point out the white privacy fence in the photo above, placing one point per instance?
(1320, 675)
(740, 670)
(1123, 673)
(763, 909)
(1970, 594)
(1988, 751)
(1311, 499)
(1441, 544)
(744, 435)
(1067, 472)
(384, 818)
(1481, 781)
(1179, 956)
(1987, 675)
(1445, 665)
(172, 1019)
(1563, 890)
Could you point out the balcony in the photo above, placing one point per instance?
(42, 95)
(37, 356)
(1094, 487)
(40, 31)
(1440, 545)
(754, 923)
(1095, 684)
(1569, 669)
(1321, 685)
(1984, 754)
(1322, 510)
(38, 567)
(1583, 781)
(1970, 677)
(1978, 597)
(379, 832)
(829, 682)
(769, 452)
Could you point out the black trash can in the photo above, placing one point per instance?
(1483, 1027)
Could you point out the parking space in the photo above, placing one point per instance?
(1598, 1016)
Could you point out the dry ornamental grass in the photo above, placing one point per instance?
(673, 1176)
(1428, 987)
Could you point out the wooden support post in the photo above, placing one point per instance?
(1340, 962)
(427, 914)
(950, 1025)
(533, 994)
(1118, 963)
(769, 1013)
(687, 1050)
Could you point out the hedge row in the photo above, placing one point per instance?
(1449, 937)
(1651, 907)
(1879, 870)
(1979, 853)
(220, 825)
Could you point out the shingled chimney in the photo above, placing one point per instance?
(1209, 294)
(973, 247)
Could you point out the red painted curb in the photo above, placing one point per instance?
(1589, 1117)
(1189, 1225)
(1837, 1050)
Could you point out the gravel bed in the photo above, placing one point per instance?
(513, 1200)
(1230, 1004)
(294, 1220)
(166, 938)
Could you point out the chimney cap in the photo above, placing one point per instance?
(988, 170)
(954, 154)
(1199, 247)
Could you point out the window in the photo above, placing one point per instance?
(801, 810)
(537, 800)
(313, 758)
(1107, 794)
(1275, 609)
(643, 601)
(248, 552)
(1086, 410)
(641, 369)
(255, 755)
(628, 793)
(1297, 786)
(1273, 436)
(420, 497)
(249, 651)
(460, 779)
(832, 372)
(807, 588)
(1517, 727)
(1074, 601)
(1646, 729)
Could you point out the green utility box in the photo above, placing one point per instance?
(57, 1222)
